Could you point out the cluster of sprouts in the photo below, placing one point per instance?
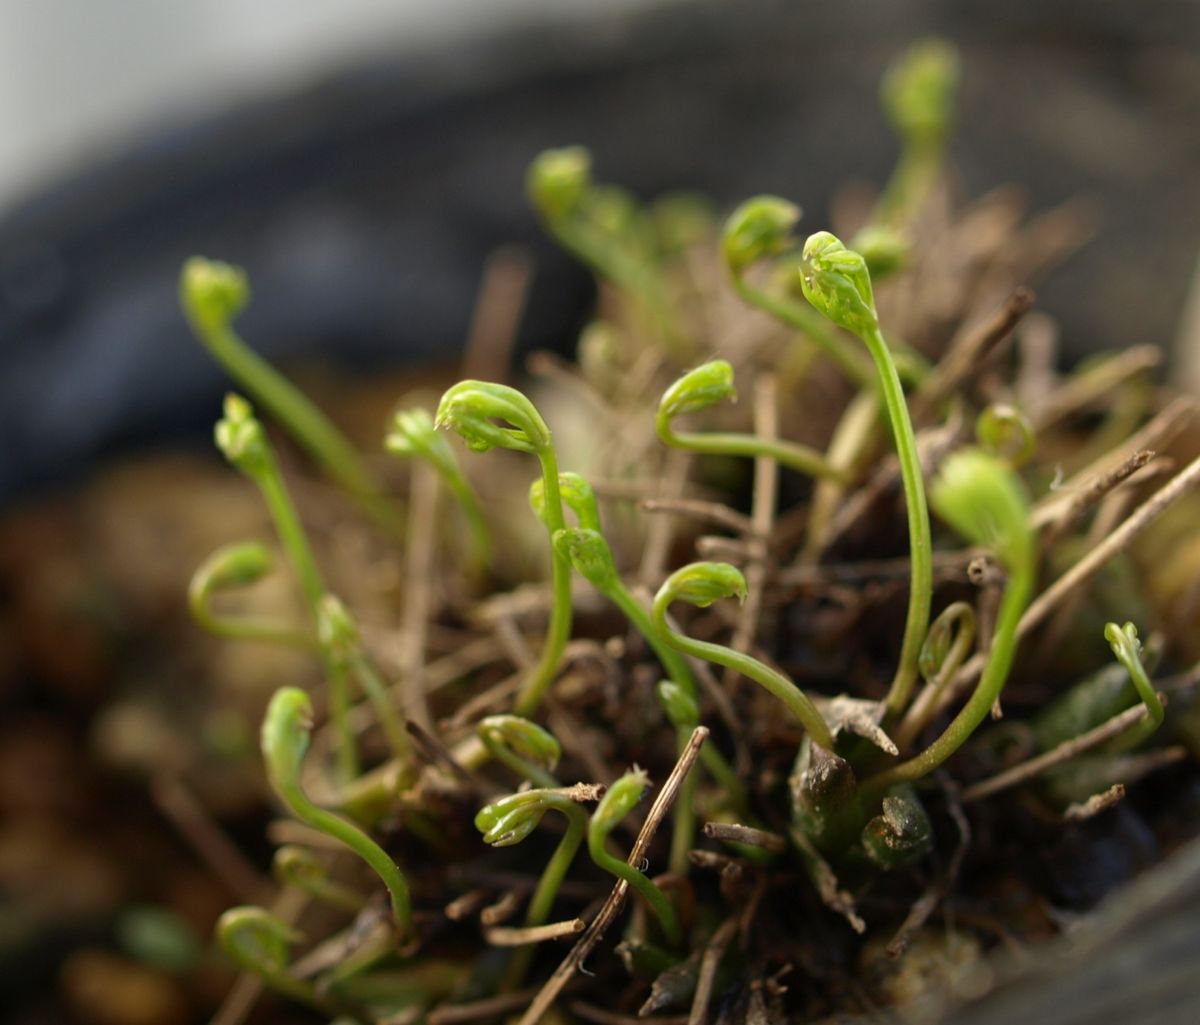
(856, 794)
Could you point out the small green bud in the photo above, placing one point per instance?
(758, 229)
(413, 434)
(884, 248)
(575, 492)
(709, 383)
(984, 500)
(241, 438)
(297, 866)
(236, 565)
(470, 408)
(680, 706)
(1004, 431)
(619, 800)
(702, 583)
(525, 739)
(256, 940)
(835, 280)
(901, 833)
(558, 180)
(918, 91)
(953, 630)
(212, 293)
(285, 737)
(511, 819)
(1128, 650)
(589, 554)
(336, 628)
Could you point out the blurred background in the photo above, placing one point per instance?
(363, 160)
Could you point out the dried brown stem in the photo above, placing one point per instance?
(498, 306)
(1080, 811)
(707, 512)
(1068, 749)
(709, 963)
(731, 832)
(419, 576)
(478, 1010)
(520, 936)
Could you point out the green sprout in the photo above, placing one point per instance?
(339, 637)
(510, 820)
(530, 751)
(618, 802)
(948, 644)
(900, 834)
(591, 557)
(761, 229)
(918, 94)
(212, 295)
(302, 870)
(229, 567)
(471, 409)
(285, 740)
(835, 280)
(258, 942)
(702, 583)
(602, 226)
(413, 434)
(711, 383)
(1127, 649)
(574, 492)
(982, 498)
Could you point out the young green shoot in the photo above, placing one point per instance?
(259, 943)
(243, 441)
(510, 820)
(413, 434)
(603, 227)
(761, 229)
(301, 869)
(712, 383)
(983, 499)
(230, 567)
(1005, 431)
(836, 282)
(618, 802)
(213, 294)
(285, 740)
(702, 583)
(530, 751)
(339, 637)
(471, 409)
(1127, 649)
(918, 94)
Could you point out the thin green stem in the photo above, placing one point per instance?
(920, 595)
(793, 698)
(303, 420)
(790, 454)
(285, 741)
(1004, 645)
(376, 690)
(539, 680)
(803, 318)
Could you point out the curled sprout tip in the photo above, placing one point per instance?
(758, 229)
(212, 292)
(836, 282)
(558, 180)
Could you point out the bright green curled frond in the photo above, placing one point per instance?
(470, 409)
(984, 500)
(702, 583)
(757, 230)
(1128, 651)
(948, 643)
(558, 180)
(836, 281)
(525, 747)
(590, 555)
(706, 385)
(576, 494)
(259, 942)
(285, 741)
(884, 249)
